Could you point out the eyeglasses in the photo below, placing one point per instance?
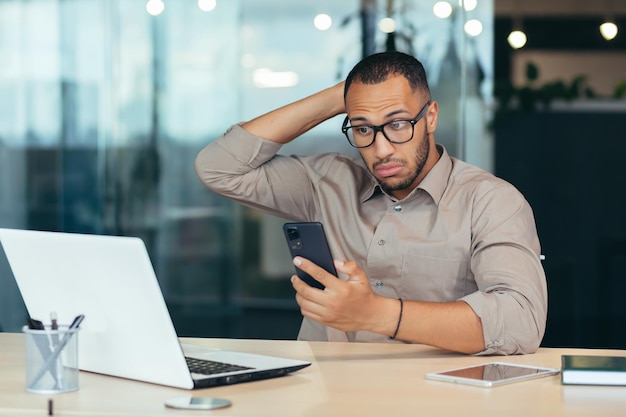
(397, 131)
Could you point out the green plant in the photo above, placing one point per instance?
(531, 96)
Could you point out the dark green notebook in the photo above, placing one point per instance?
(593, 370)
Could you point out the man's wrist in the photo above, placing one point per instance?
(395, 333)
(385, 316)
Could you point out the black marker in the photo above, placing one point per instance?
(34, 324)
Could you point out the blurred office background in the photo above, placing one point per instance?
(105, 103)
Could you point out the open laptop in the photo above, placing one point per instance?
(127, 331)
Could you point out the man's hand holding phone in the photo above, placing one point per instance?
(347, 305)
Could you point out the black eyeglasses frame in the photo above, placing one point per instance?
(381, 128)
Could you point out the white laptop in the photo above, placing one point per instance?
(127, 331)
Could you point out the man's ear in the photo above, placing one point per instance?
(431, 117)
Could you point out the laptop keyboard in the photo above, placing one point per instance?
(206, 367)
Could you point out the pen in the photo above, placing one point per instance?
(54, 326)
(59, 348)
(77, 321)
(53, 320)
(43, 347)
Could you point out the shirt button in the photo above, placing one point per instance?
(381, 242)
(379, 284)
(398, 208)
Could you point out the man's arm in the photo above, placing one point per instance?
(506, 315)
(453, 326)
(243, 164)
(286, 123)
(351, 305)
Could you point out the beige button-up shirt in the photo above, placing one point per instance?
(463, 234)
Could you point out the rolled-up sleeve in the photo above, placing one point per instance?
(222, 164)
(512, 298)
(247, 169)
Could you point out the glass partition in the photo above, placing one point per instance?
(105, 105)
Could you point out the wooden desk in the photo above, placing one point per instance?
(345, 379)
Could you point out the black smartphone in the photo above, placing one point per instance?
(308, 240)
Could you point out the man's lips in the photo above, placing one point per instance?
(388, 170)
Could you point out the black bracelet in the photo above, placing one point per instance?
(399, 319)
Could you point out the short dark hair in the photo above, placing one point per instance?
(376, 68)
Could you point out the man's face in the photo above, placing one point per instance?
(399, 168)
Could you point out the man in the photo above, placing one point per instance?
(430, 249)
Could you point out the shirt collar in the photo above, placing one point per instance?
(370, 187)
(434, 183)
(436, 180)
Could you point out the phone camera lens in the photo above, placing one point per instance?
(293, 234)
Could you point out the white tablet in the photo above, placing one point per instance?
(492, 374)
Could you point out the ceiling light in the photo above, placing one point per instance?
(470, 5)
(442, 9)
(517, 39)
(322, 21)
(266, 78)
(155, 7)
(207, 5)
(608, 30)
(473, 27)
(387, 25)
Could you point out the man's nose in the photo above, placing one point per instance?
(382, 147)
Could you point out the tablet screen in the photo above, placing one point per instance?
(493, 373)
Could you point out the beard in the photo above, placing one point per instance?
(420, 158)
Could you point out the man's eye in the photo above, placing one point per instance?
(398, 124)
(362, 130)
